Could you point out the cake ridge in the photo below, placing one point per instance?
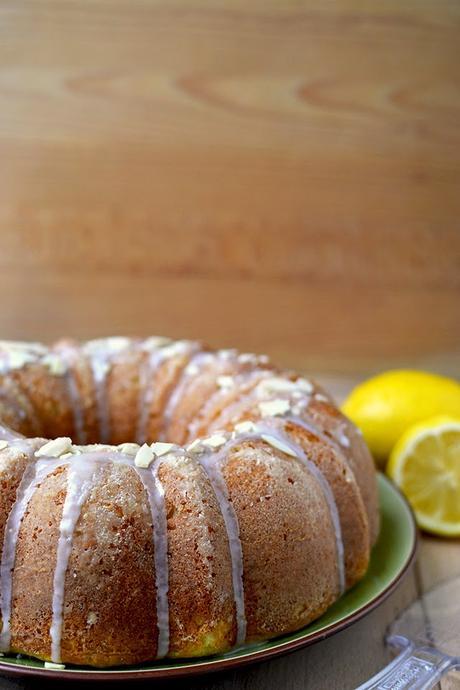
(79, 481)
(266, 406)
(81, 473)
(68, 352)
(191, 369)
(155, 493)
(156, 357)
(241, 380)
(101, 353)
(33, 475)
(151, 361)
(265, 431)
(211, 466)
(210, 460)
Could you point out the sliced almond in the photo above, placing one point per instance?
(277, 384)
(160, 448)
(247, 358)
(342, 438)
(17, 359)
(112, 345)
(225, 381)
(215, 441)
(144, 456)
(55, 364)
(128, 448)
(192, 369)
(246, 427)
(321, 398)
(304, 385)
(196, 446)
(35, 348)
(55, 448)
(154, 343)
(279, 444)
(274, 408)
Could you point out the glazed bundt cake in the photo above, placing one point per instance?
(245, 508)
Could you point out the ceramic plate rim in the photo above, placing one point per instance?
(253, 654)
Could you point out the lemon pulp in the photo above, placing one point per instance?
(425, 464)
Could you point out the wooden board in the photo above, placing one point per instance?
(274, 175)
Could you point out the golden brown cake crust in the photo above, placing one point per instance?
(110, 581)
(252, 530)
(287, 537)
(34, 568)
(201, 605)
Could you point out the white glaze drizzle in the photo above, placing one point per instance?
(243, 385)
(211, 464)
(101, 354)
(16, 355)
(155, 494)
(156, 356)
(310, 426)
(284, 437)
(13, 438)
(34, 473)
(146, 392)
(77, 408)
(313, 428)
(255, 397)
(192, 369)
(80, 479)
(69, 355)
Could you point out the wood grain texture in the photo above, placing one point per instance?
(279, 176)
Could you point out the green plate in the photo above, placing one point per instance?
(391, 558)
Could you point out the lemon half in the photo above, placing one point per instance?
(425, 464)
(385, 406)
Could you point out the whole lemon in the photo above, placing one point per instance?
(384, 406)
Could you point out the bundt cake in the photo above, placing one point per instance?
(245, 508)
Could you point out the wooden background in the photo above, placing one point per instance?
(280, 175)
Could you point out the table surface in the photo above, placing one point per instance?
(350, 657)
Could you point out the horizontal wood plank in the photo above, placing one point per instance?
(300, 328)
(281, 176)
